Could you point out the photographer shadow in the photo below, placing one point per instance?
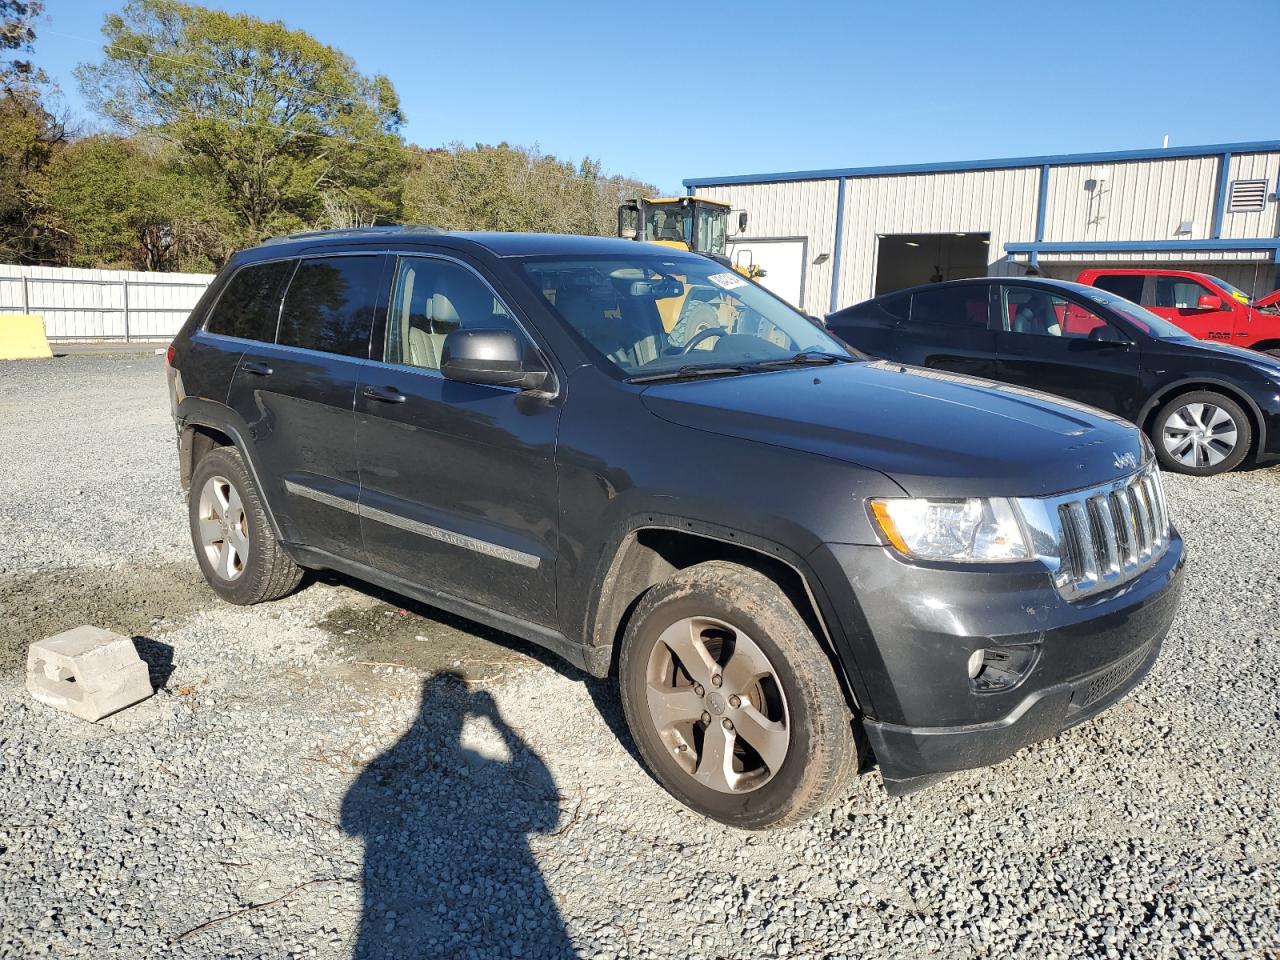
(446, 815)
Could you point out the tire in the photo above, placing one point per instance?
(1191, 434)
(247, 565)
(795, 714)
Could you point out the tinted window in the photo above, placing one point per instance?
(250, 304)
(432, 298)
(1122, 286)
(330, 305)
(897, 306)
(962, 306)
(1178, 293)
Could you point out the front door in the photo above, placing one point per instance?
(1052, 343)
(1178, 299)
(458, 481)
(297, 394)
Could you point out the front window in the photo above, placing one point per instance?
(1038, 312)
(654, 314)
(711, 229)
(1179, 293)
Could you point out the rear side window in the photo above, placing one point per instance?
(250, 304)
(897, 306)
(1121, 285)
(330, 305)
(964, 306)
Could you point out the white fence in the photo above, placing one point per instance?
(102, 304)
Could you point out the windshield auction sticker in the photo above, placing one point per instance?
(727, 281)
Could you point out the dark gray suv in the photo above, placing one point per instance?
(658, 470)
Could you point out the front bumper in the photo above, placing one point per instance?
(913, 629)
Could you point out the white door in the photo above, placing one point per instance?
(783, 263)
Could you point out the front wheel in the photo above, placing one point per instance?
(733, 704)
(1201, 433)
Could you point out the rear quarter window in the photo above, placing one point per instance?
(250, 304)
(330, 305)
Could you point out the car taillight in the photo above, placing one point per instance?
(168, 356)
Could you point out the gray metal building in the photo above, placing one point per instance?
(831, 238)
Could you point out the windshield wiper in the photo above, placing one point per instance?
(689, 370)
(804, 358)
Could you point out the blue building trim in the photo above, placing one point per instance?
(838, 251)
(1220, 201)
(1145, 246)
(1006, 163)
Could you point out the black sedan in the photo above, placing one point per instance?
(1206, 406)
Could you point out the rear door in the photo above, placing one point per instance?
(297, 397)
(458, 480)
(948, 328)
(1054, 343)
(1177, 298)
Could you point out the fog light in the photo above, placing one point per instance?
(1000, 668)
(975, 663)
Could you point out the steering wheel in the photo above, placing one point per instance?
(701, 335)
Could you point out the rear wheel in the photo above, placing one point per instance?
(732, 702)
(235, 546)
(1201, 433)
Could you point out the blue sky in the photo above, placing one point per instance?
(665, 91)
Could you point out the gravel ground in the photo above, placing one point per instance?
(336, 774)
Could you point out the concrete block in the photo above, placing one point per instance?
(88, 672)
(22, 337)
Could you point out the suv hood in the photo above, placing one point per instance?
(934, 433)
(1270, 300)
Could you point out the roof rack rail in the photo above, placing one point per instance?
(353, 232)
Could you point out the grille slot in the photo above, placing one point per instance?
(1105, 682)
(1106, 536)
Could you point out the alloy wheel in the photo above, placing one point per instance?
(224, 529)
(717, 704)
(1200, 435)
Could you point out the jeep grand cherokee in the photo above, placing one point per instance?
(662, 472)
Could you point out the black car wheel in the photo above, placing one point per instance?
(732, 702)
(1201, 433)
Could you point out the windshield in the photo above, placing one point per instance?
(668, 221)
(1231, 289)
(654, 314)
(1140, 317)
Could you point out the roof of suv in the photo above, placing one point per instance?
(500, 244)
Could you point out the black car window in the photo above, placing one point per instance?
(1178, 293)
(330, 305)
(958, 306)
(1122, 285)
(897, 306)
(1040, 313)
(431, 299)
(250, 305)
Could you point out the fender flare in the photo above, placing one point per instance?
(601, 634)
(199, 412)
(1231, 390)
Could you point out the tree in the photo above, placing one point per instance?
(17, 36)
(510, 188)
(114, 202)
(286, 126)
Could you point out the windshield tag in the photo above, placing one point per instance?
(727, 281)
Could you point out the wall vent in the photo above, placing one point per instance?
(1247, 195)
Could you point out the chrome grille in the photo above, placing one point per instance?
(1100, 537)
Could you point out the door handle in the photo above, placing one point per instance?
(385, 394)
(253, 366)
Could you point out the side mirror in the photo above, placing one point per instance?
(1108, 334)
(629, 221)
(1208, 301)
(742, 221)
(491, 357)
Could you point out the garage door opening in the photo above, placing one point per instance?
(908, 259)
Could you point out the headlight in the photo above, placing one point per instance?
(966, 530)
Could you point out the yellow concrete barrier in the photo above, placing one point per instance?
(22, 337)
